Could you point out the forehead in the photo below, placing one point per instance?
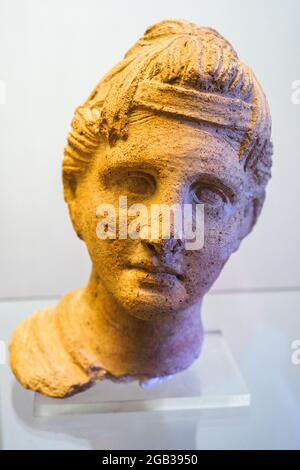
(172, 147)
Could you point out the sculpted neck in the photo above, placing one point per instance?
(127, 345)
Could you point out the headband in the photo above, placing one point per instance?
(199, 106)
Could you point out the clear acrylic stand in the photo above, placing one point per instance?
(212, 382)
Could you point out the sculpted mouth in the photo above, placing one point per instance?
(162, 269)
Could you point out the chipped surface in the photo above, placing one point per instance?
(179, 120)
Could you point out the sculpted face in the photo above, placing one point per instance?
(164, 161)
(179, 122)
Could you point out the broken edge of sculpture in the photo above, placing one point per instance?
(213, 382)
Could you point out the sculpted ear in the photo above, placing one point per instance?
(70, 182)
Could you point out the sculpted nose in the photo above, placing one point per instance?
(161, 247)
(163, 236)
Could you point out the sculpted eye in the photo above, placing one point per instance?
(209, 194)
(137, 183)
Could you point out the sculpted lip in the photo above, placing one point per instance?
(162, 269)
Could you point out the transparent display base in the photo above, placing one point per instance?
(212, 382)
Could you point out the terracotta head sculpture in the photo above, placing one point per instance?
(180, 120)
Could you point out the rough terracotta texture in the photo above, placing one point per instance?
(179, 120)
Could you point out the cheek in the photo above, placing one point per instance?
(221, 239)
(222, 231)
(202, 269)
(108, 256)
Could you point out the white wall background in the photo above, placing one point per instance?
(51, 56)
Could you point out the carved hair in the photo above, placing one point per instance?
(182, 69)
